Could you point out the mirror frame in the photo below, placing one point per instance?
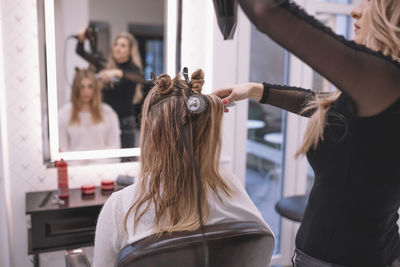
(48, 77)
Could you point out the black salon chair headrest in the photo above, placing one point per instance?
(230, 244)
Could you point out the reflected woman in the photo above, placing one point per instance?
(123, 80)
(86, 123)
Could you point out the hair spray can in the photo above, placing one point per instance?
(62, 176)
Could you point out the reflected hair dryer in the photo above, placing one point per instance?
(91, 35)
(226, 11)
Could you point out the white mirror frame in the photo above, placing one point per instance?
(170, 40)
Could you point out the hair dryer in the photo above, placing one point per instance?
(226, 11)
(91, 35)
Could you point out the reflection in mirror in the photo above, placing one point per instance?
(99, 53)
(99, 41)
(85, 123)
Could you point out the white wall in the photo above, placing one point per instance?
(4, 175)
(122, 12)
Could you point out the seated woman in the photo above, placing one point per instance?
(164, 199)
(86, 123)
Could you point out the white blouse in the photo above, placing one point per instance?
(88, 135)
(110, 236)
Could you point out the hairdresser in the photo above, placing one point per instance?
(122, 77)
(352, 139)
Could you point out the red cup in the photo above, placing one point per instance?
(107, 184)
(88, 189)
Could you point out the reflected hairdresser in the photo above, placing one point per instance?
(122, 77)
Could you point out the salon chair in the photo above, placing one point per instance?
(233, 244)
(292, 207)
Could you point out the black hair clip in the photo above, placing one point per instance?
(186, 76)
(149, 84)
(153, 76)
(196, 103)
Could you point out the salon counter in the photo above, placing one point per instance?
(55, 226)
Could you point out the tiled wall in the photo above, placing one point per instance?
(18, 20)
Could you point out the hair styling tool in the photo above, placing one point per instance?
(91, 35)
(226, 12)
(196, 103)
(111, 80)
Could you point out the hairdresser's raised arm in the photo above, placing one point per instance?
(370, 79)
(133, 76)
(98, 62)
(108, 74)
(289, 98)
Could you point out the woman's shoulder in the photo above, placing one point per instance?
(236, 186)
(238, 206)
(116, 203)
(127, 190)
(230, 178)
(126, 194)
(64, 113)
(107, 109)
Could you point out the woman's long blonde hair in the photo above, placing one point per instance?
(95, 103)
(167, 177)
(384, 36)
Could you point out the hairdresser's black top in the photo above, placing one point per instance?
(119, 94)
(353, 206)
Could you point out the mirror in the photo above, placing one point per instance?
(94, 58)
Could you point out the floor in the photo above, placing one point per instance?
(57, 258)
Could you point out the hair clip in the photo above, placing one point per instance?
(196, 103)
(186, 76)
(149, 84)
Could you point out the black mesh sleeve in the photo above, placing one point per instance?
(97, 62)
(370, 79)
(290, 98)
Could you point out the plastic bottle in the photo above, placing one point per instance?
(62, 176)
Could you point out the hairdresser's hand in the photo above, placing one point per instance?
(82, 35)
(107, 75)
(237, 92)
